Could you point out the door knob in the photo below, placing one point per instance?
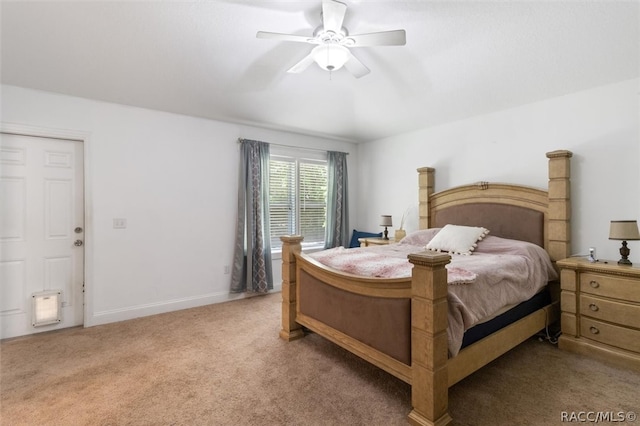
(77, 243)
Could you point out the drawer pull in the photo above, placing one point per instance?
(593, 307)
(594, 284)
(594, 330)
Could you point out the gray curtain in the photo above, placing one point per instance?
(252, 253)
(337, 228)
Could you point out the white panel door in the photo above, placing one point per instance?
(41, 229)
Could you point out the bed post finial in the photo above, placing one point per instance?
(426, 187)
(559, 204)
(291, 245)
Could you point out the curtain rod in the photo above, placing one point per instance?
(297, 147)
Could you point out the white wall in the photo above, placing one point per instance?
(174, 178)
(600, 126)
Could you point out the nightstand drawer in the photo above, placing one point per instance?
(610, 286)
(610, 310)
(621, 337)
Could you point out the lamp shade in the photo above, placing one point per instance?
(624, 230)
(330, 57)
(385, 220)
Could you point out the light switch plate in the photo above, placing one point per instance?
(119, 223)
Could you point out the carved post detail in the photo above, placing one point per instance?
(426, 187)
(429, 347)
(559, 204)
(291, 330)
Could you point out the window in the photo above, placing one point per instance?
(297, 197)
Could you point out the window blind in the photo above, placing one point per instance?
(298, 199)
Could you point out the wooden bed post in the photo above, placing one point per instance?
(429, 347)
(559, 204)
(291, 330)
(426, 187)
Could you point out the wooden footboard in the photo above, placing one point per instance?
(426, 313)
(422, 299)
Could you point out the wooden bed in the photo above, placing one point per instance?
(341, 307)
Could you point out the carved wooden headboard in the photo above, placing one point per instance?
(518, 212)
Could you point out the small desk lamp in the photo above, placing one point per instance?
(386, 221)
(625, 230)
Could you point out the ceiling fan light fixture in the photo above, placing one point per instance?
(330, 57)
(333, 41)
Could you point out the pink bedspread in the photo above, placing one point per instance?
(383, 262)
(499, 273)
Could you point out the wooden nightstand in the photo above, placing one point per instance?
(600, 305)
(375, 241)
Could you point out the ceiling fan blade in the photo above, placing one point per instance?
(383, 38)
(302, 65)
(355, 67)
(284, 37)
(333, 14)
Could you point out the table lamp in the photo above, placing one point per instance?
(625, 230)
(385, 220)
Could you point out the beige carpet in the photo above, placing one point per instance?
(225, 365)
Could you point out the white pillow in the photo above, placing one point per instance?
(457, 239)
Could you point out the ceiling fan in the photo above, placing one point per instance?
(333, 42)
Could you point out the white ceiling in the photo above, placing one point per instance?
(202, 58)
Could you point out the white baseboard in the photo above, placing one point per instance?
(131, 312)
